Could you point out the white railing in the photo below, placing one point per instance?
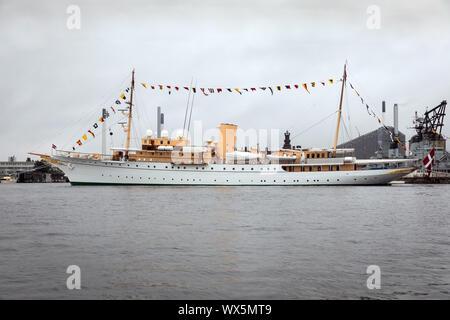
(82, 155)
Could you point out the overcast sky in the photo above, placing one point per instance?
(54, 80)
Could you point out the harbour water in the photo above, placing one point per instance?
(224, 242)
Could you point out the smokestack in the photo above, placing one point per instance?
(383, 111)
(158, 123)
(396, 120)
(162, 121)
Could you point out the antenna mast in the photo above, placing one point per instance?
(130, 115)
(344, 78)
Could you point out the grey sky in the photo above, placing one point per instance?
(53, 79)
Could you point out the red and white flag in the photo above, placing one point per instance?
(428, 161)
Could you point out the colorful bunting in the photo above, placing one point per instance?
(372, 113)
(208, 91)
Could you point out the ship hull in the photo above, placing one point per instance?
(96, 172)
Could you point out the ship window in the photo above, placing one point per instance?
(319, 168)
(224, 168)
(307, 156)
(234, 168)
(242, 168)
(252, 168)
(168, 142)
(313, 155)
(137, 166)
(162, 142)
(337, 168)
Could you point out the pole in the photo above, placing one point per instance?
(344, 78)
(129, 116)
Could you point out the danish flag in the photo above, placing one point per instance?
(428, 161)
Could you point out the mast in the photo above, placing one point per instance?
(103, 133)
(130, 115)
(344, 78)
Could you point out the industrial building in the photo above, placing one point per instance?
(378, 143)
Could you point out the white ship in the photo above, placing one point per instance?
(164, 161)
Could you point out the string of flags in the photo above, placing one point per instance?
(207, 91)
(90, 133)
(373, 114)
